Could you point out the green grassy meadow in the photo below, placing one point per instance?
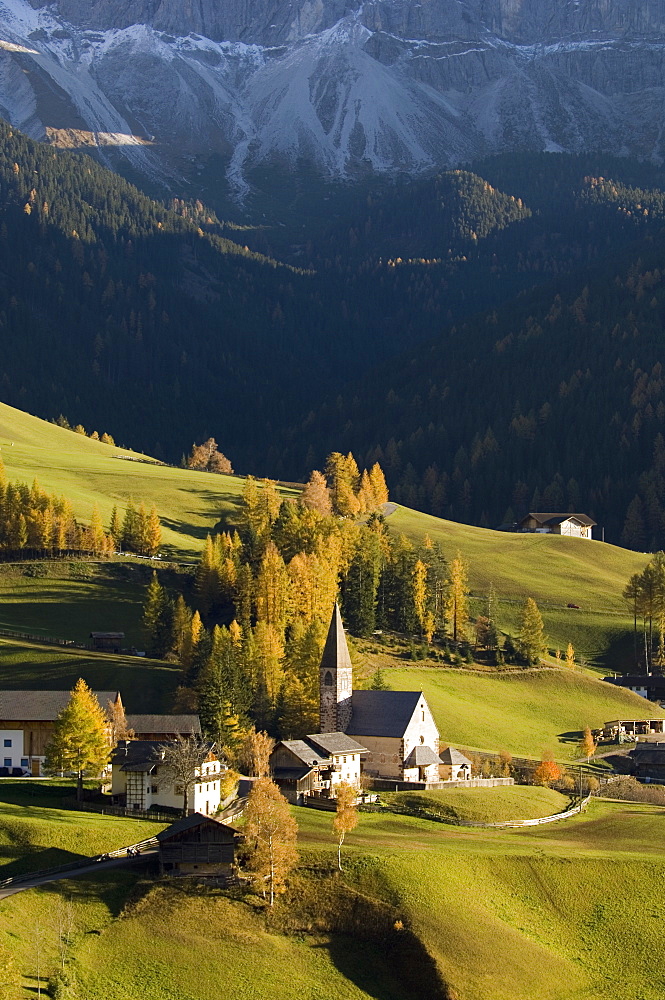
(484, 805)
(523, 712)
(89, 472)
(146, 685)
(545, 914)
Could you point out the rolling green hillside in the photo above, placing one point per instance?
(523, 712)
(547, 913)
(555, 571)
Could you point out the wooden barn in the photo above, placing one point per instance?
(108, 642)
(198, 845)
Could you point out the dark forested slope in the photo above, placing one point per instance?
(492, 337)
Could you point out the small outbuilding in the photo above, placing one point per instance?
(198, 845)
(454, 765)
(107, 642)
(649, 761)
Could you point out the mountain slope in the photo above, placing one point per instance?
(386, 85)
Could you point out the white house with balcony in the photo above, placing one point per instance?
(141, 780)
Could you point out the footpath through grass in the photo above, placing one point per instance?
(525, 712)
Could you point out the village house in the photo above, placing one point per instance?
(649, 686)
(396, 727)
(140, 780)
(315, 765)
(576, 525)
(27, 719)
(198, 845)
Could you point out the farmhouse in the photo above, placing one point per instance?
(649, 686)
(577, 525)
(198, 845)
(315, 765)
(27, 719)
(140, 780)
(396, 727)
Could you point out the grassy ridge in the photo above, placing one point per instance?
(88, 473)
(524, 713)
(484, 805)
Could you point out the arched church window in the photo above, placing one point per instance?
(327, 680)
(422, 740)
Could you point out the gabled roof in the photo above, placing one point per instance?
(183, 724)
(452, 756)
(304, 752)
(336, 651)
(421, 756)
(41, 706)
(383, 713)
(559, 518)
(137, 755)
(335, 743)
(189, 823)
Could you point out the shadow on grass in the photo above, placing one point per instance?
(401, 969)
(36, 860)
(572, 737)
(115, 888)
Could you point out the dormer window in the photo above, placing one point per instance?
(327, 680)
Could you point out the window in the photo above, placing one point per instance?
(8, 762)
(178, 790)
(153, 789)
(344, 759)
(423, 715)
(327, 680)
(7, 743)
(24, 762)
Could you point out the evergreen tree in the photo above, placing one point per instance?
(531, 635)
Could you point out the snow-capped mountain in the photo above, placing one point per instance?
(384, 84)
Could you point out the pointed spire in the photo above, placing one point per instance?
(336, 651)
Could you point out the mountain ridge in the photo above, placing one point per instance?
(385, 86)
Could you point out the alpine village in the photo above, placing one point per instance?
(332, 500)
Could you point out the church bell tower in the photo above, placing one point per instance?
(335, 679)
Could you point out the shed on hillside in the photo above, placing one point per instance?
(198, 845)
(107, 642)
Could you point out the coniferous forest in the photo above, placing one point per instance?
(489, 336)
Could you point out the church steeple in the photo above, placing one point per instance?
(335, 679)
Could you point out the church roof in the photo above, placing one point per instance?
(382, 713)
(421, 757)
(336, 652)
(335, 743)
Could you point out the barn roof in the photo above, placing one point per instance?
(291, 773)
(421, 756)
(452, 756)
(306, 753)
(335, 743)
(382, 713)
(190, 823)
(164, 724)
(41, 706)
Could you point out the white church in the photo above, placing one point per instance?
(395, 727)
